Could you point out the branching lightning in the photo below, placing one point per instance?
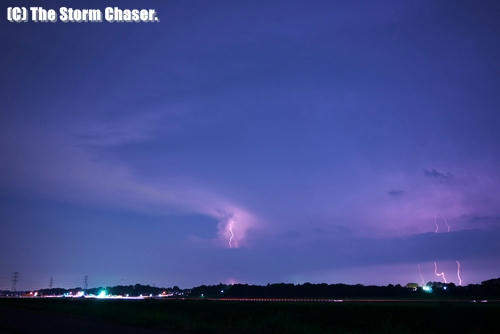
(441, 274)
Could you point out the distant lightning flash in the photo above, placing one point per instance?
(435, 263)
(458, 262)
(447, 225)
(458, 273)
(231, 234)
(441, 274)
(421, 276)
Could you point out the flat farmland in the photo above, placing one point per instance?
(211, 316)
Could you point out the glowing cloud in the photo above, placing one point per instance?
(233, 227)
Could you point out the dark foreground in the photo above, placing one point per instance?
(174, 316)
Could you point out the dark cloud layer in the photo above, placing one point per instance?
(439, 176)
(396, 193)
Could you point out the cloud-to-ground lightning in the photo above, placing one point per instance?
(458, 273)
(231, 234)
(421, 276)
(457, 262)
(441, 274)
(435, 263)
(233, 226)
(446, 223)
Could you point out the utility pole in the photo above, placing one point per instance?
(15, 278)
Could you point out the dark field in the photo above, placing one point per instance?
(190, 316)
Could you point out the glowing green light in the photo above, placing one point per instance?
(427, 288)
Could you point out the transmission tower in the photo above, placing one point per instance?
(15, 278)
(86, 282)
(51, 283)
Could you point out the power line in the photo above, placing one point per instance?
(15, 278)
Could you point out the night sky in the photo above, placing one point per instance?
(252, 142)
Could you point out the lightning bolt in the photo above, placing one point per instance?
(435, 263)
(441, 274)
(458, 273)
(447, 225)
(458, 262)
(421, 276)
(231, 234)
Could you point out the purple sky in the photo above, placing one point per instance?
(252, 141)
